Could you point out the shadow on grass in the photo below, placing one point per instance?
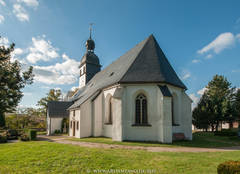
(200, 140)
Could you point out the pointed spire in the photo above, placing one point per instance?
(90, 45)
(90, 30)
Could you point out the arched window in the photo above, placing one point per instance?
(141, 109)
(109, 110)
(77, 125)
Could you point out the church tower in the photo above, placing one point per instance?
(89, 64)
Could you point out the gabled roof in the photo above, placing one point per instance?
(58, 109)
(151, 65)
(145, 63)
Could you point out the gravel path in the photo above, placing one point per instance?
(64, 140)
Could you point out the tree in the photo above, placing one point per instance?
(216, 105)
(52, 95)
(202, 117)
(237, 104)
(12, 80)
(220, 94)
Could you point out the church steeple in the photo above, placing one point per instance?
(90, 45)
(89, 64)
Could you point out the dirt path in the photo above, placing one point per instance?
(64, 140)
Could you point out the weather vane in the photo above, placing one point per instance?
(90, 28)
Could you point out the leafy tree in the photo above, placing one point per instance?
(52, 95)
(202, 117)
(237, 104)
(220, 94)
(217, 105)
(26, 118)
(12, 81)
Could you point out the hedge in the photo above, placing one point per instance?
(226, 132)
(32, 134)
(12, 134)
(229, 167)
(3, 138)
(28, 135)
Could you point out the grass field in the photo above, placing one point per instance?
(200, 139)
(49, 157)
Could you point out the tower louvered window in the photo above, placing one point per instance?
(141, 109)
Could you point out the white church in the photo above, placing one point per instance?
(138, 97)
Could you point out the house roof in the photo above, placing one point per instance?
(145, 63)
(165, 91)
(58, 109)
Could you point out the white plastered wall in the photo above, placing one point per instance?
(183, 114)
(107, 130)
(97, 107)
(157, 115)
(75, 118)
(56, 124)
(86, 119)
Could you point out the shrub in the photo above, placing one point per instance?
(229, 167)
(24, 137)
(3, 138)
(28, 135)
(12, 134)
(57, 132)
(32, 134)
(226, 132)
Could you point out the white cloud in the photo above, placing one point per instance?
(209, 56)
(15, 53)
(201, 91)
(222, 41)
(2, 19)
(195, 100)
(195, 61)
(60, 73)
(238, 36)
(27, 93)
(18, 51)
(41, 50)
(236, 70)
(30, 3)
(4, 41)
(74, 88)
(57, 88)
(186, 75)
(20, 12)
(2, 3)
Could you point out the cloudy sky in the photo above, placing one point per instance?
(200, 38)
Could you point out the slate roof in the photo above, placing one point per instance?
(58, 109)
(165, 91)
(145, 63)
(90, 57)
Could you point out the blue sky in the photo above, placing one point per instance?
(200, 38)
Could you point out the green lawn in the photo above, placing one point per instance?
(49, 157)
(42, 133)
(200, 139)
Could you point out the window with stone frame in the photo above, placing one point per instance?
(141, 110)
(109, 114)
(74, 113)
